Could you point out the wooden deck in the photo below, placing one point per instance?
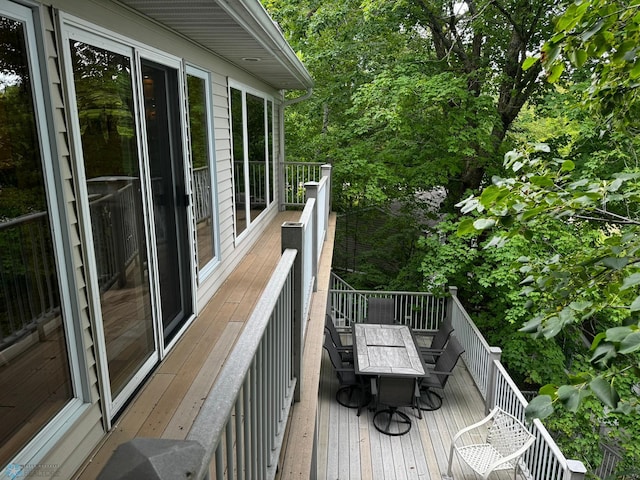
(350, 448)
(169, 401)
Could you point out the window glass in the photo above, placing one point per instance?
(270, 163)
(35, 378)
(256, 135)
(201, 169)
(237, 127)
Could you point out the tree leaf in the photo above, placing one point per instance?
(571, 397)
(605, 392)
(635, 306)
(529, 62)
(540, 407)
(630, 344)
(484, 223)
(615, 263)
(630, 281)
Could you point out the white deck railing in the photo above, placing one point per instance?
(239, 430)
(543, 461)
(423, 311)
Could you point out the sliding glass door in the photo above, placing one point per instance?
(129, 123)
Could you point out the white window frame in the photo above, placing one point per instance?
(208, 269)
(269, 176)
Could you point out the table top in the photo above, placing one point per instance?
(381, 349)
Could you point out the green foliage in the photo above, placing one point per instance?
(603, 37)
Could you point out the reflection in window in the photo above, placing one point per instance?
(239, 188)
(35, 381)
(270, 162)
(257, 151)
(253, 169)
(104, 96)
(202, 193)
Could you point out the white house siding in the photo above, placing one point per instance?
(86, 432)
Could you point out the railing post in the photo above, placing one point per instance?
(311, 191)
(494, 355)
(575, 470)
(453, 292)
(154, 459)
(293, 237)
(326, 172)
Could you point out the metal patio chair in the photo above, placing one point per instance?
(346, 351)
(439, 340)
(438, 377)
(504, 442)
(394, 392)
(353, 391)
(381, 310)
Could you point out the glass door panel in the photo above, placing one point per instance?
(35, 375)
(164, 141)
(104, 97)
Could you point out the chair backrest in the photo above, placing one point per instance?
(381, 310)
(396, 391)
(441, 337)
(345, 373)
(507, 434)
(447, 360)
(331, 329)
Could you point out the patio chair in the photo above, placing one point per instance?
(394, 392)
(431, 353)
(381, 310)
(353, 392)
(346, 351)
(504, 442)
(438, 377)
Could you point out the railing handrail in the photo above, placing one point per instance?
(209, 426)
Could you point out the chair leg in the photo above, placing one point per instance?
(429, 400)
(403, 419)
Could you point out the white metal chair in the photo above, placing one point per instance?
(505, 441)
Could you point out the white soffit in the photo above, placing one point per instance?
(240, 31)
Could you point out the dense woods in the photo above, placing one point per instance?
(524, 116)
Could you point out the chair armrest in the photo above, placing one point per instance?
(431, 350)
(474, 426)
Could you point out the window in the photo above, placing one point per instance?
(35, 370)
(253, 170)
(203, 174)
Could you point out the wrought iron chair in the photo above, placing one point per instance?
(353, 391)
(394, 392)
(381, 310)
(438, 377)
(346, 351)
(504, 442)
(431, 353)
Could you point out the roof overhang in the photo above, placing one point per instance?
(240, 31)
